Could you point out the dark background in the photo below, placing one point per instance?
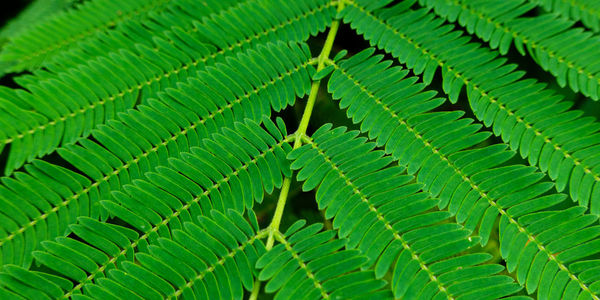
(10, 8)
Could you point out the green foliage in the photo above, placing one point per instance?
(586, 11)
(30, 48)
(529, 117)
(145, 140)
(37, 121)
(147, 152)
(35, 12)
(383, 215)
(564, 51)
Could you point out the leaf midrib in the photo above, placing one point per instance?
(474, 186)
(526, 40)
(175, 71)
(101, 27)
(55, 209)
(176, 213)
(380, 217)
(586, 168)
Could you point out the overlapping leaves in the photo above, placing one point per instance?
(51, 198)
(527, 116)
(473, 183)
(162, 119)
(63, 107)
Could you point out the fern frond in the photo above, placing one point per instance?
(199, 182)
(472, 184)
(272, 20)
(72, 103)
(570, 54)
(34, 209)
(309, 264)
(31, 47)
(159, 120)
(132, 75)
(252, 84)
(526, 116)
(34, 13)
(211, 258)
(175, 19)
(215, 178)
(31, 284)
(384, 215)
(586, 11)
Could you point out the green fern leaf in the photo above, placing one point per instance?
(139, 74)
(173, 198)
(210, 258)
(210, 23)
(382, 214)
(147, 154)
(586, 11)
(146, 139)
(31, 47)
(553, 43)
(318, 268)
(83, 104)
(472, 184)
(498, 98)
(36, 12)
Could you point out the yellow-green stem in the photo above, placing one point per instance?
(312, 97)
(274, 226)
(314, 89)
(299, 134)
(255, 290)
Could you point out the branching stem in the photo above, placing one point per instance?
(301, 132)
(322, 60)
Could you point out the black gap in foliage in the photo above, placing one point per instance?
(10, 8)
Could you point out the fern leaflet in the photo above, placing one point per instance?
(30, 48)
(552, 42)
(472, 184)
(148, 157)
(547, 137)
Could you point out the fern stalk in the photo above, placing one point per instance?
(298, 135)
(312, 97)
